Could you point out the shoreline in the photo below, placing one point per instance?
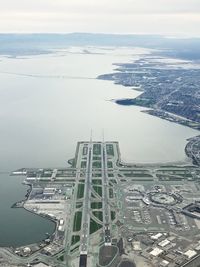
(159, 113)
(20, 204)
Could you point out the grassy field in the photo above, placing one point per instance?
(109, 164)
(113, 181)
(113, 215)
(99, 215)
(96, 205)
(98, 190)
(96, 158)
(97, 149)
(97, 181)
(83, 164)
(96, 164)
(131, 174)
(77, 221)
(80, 192)
(94, 226)
(79, 205)
(61, 258)
(97, 174)
(75, 239)
(111, 193)
(110, 150)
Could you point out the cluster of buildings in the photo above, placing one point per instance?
(163, 249)
(167, 88)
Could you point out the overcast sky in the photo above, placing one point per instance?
(168, 17)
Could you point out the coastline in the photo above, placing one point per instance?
(21, 203)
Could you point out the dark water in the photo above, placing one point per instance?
(17, 226)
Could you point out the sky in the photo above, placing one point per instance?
(166, 17)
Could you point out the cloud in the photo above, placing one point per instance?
(100, 6)
(140, 16)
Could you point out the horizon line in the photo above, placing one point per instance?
(172, 36)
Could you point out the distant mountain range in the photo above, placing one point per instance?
(30, 44)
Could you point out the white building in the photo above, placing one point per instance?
(156, 237)
(156, 252)
(190, 253)
(164, 243)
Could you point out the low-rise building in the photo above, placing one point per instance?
(157, 236)
(164, 263)
(190, 253)
(49, 191)
(156, 252)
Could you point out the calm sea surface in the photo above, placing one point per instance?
(48, 103)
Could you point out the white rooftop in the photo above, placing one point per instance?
(164, 243)
(190, 253)
(157, 236)
(156, 252)
(197, 247)
(164, 263)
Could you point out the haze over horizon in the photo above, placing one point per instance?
(171, 17)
